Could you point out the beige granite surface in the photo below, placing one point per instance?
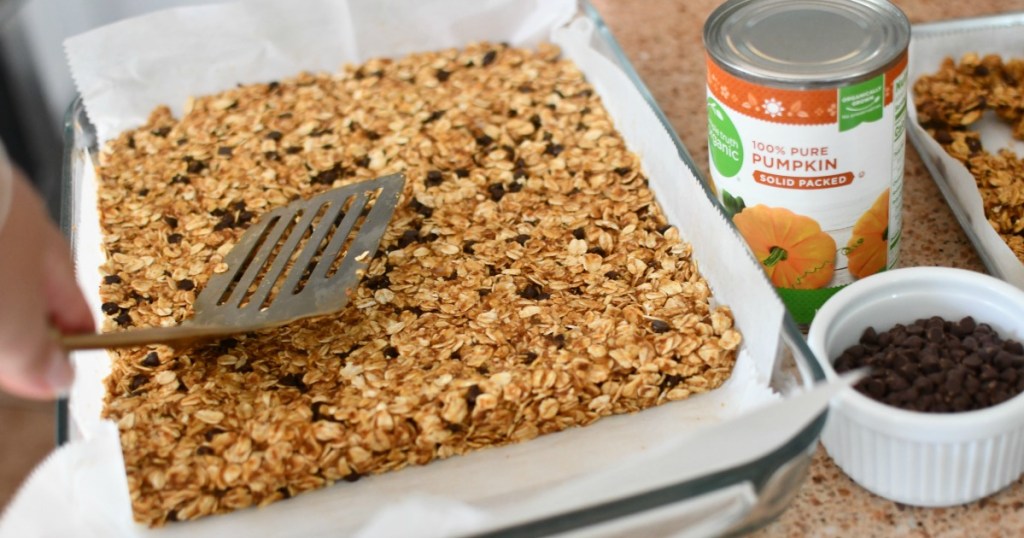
(662, 38)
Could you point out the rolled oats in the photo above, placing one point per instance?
(527, 283)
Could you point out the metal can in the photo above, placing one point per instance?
(807, 102)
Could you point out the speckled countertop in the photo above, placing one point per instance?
(662, 38)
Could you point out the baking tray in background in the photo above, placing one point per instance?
(929, 44)
(755, 492)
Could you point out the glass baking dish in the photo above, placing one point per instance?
(732, 501)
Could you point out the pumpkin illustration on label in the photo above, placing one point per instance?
(868, 246)
(792, 248)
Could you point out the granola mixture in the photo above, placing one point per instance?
(950, 101)
(528, 282)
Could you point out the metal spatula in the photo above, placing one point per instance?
(297, 261)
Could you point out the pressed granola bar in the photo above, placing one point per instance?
(528, 282)
(950, 101)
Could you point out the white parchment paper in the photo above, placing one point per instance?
(126, 69)
(929, 45)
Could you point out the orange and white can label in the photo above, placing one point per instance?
(812, 178)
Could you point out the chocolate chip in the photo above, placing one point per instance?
(468, 247)
(554, 149)
(612, 275)
(664, 228)
(472, 393)
(535, 121)
(484, 141)
(194, 166)
(224, 151)
(327, 177)
(152, 360)
(408, 237)
(533, 292)
(138, 380)
(461, 172)
(623, 170)
(123, 319)
(529, 357)
(174, 238)
(110, 308)
(579, 233)
(162, 132)
(434, 178)
(171, 221)
(496, 191)
(111, 279)
(659, 326)
(377, 282)
(597, 250)
(276, 136)
(180, 179)
(521, 239)
(434, 116)
(423, 210)
(442, 75)
(391, 352)
(489, 57)
(292, 380)
(186, 284)
(942, 136)
(204, 450)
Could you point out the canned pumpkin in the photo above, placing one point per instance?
(806, 109)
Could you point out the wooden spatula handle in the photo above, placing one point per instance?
(137, 337)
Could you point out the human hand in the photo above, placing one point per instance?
(38, 293)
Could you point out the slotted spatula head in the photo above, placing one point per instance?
(297, 261)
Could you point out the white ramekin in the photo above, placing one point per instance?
(921, 459)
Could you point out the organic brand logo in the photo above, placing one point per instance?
(861, 103)
(723, 141)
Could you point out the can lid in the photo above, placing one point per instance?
(806, 43)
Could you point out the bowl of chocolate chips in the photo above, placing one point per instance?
(939, 419)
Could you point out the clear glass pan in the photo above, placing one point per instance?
(732, 501)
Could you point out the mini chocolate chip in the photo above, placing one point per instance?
(327, 177)
(276, 136)
(623, 170)
(180, 179)
(469, 246)
(980, 70)
(112, 279)
(942, 136)
(529, 357)
(123, 319)
(554, 149)
(497, 191)
(143, 192)
(579, 233)
(664, 228)
(292, 380)
(408, 237)
(535, 121)
(597, 250)
(659, 326)
(461, 172)
(171, 221)
(275, 156)
(174, 238)
(186, 285)
(204, 450)
(533, 292)
(669, 381)
(391, 352)
(434, 178)
(152, 360)
(211, 433)
(484, 140)
(138, 380)
(224, 151)
(472, 393)
(377, 282)
(110, 308)
(161, 132)
(442, 75)
(973, 144)
(612, 275)
(515, 186)
(195, 166)
(489, 57)
(418, 207)
(434, 116)
(521, 239)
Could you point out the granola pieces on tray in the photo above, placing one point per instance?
(528, 282)
(950, 101)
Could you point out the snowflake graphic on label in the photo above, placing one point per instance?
(772, 107)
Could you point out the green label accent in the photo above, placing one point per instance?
(723, 141)
(861, 103)
(804, 304)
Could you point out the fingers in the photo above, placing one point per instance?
(37, 288)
